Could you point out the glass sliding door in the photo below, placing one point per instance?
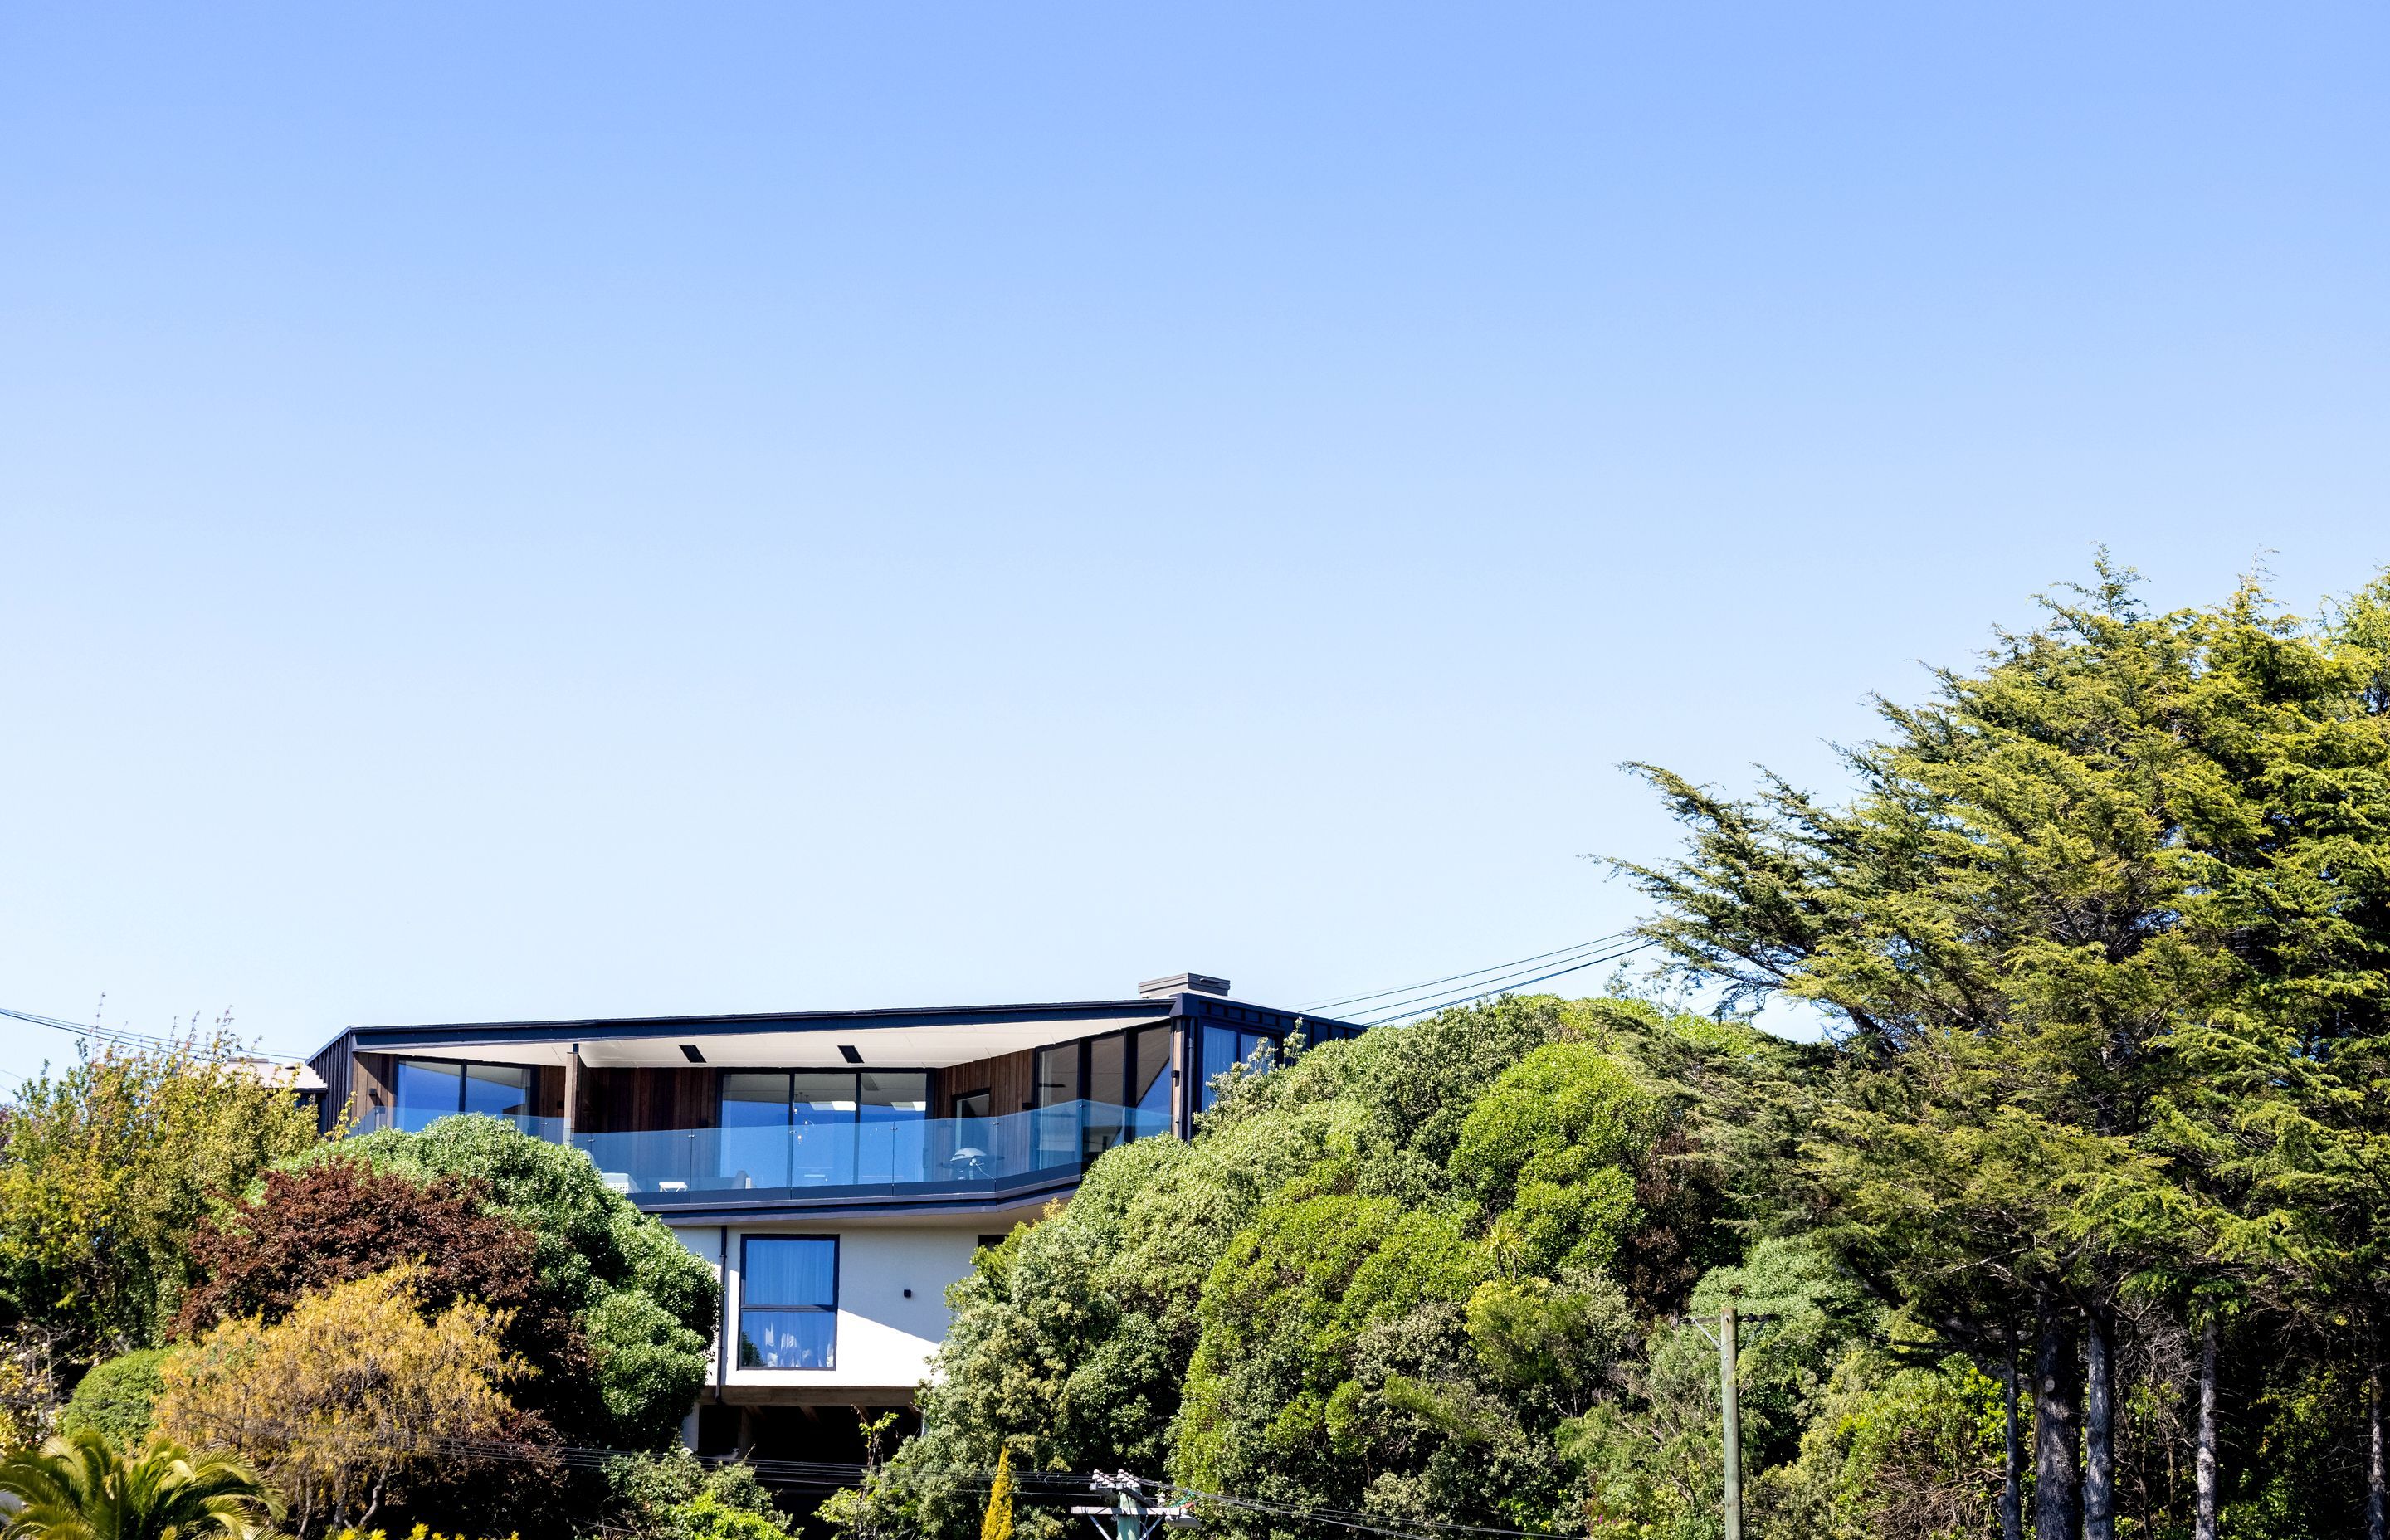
(821, 1130)
(755, 1128)
(1107, 1093)
(1057, 1135)
(422, 1091)
(892, 1111)
(824, 1128)
(1150, 1084)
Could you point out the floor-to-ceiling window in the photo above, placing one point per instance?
(424, 1090)
(1150, 1083)
(1107, 1072)
(1101, 1091)
(1223, 1046)
(787, 1303)
(890, 1109)
(1057, 1096)
(810, 1128)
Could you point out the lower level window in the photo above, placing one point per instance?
(787, 1303)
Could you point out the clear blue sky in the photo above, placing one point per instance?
(517, 510)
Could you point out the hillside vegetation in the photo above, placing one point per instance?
(2071, 1226)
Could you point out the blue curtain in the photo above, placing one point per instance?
(791, 1272)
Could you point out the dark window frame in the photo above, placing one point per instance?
(1206, 1071)
(530, 1087)
(837, 1261)
(723, 1072)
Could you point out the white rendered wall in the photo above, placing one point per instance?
(884, 1339)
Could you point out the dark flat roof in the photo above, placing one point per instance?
(601, 1028)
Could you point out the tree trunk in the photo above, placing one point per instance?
(2377, 1499)
(2099, 1426)
(2057, 1404)
(2013, 1474)
(2204, 1527)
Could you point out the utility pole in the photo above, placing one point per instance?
(1730, 1409)
(1132, 1518)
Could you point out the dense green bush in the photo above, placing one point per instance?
(672, 1496)
(116, 1398)
(645, 1306)
(1377, 1280)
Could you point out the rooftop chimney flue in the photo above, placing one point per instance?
(1182, 983)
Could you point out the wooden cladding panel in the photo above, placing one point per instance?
(371, 1087)
(627, 1101)
(1009, 1077)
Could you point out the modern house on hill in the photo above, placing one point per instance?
(837, 1168)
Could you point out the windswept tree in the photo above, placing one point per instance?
(2074, 894)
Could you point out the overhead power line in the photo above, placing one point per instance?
(1503, 984)
(124, 1037)
(1348, 1520)
(1344, 1002)
(824, 1475)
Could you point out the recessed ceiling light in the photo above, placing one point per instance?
(689, 1051)
(850, 1053)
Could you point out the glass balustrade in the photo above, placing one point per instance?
(921, 1155)
(375, 1118)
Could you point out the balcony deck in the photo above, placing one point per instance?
(898, 1159)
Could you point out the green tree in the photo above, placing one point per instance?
(1370, 1280)
(80, 1487)
(1552, 1148)
(2067, 923)
(107, 1169)
(644, 1306)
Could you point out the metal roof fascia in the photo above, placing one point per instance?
(1211, 1006)
(615, 1029)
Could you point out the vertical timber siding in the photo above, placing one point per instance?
(1008, 1076)
(619, 1101)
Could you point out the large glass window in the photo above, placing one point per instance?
(755, 1128)
(1107, 1094)
(1223, 1046)
(1150, 1084)
(811, 1128)
(424, 1090)
(1058, 1075)
(892, 1109)
(1058, 1102)
(787, 1303)
(821, 1122)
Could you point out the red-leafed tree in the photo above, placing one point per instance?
(340, 1220)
